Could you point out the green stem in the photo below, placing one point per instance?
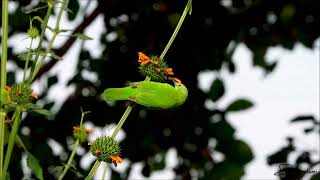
(186, 10)
(48, 49)
(122, 120)
(42, 34)
(3, 79)
(93, 170)
(105, 172)
(16, 124)
(74, 150)
(2, 117)
(27, 61)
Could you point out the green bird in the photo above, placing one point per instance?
(154, 95)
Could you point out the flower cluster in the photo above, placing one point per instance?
(80, 133)
(106, 149)
(154, 67)
(20, 94)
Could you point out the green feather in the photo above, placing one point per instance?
(114, 94)
(151, 94)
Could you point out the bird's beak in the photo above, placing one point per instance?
(176, 81)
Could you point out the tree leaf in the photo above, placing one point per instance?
(216, 90)
(239, 105)
(52, 80)
(74, 9)
(33, 164)
(82, 36)
(303, 118)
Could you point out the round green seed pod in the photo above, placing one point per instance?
(104, 147)
(33, 32)
(80, 134)
(154, 69)
(21, 94)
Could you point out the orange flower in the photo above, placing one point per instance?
(34, 95)
(116, 160)
(89, 130)
(98, 151)
(158, 69)
(155, 62)
(169, 71)
(76, 128)
(8, 88)
(90, 143)
(143, 59)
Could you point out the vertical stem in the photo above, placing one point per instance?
(74, 150)
(48, 49)
(122, 120)
(3, 79)
(43, 30)
(27, 61)
(16, 124)
(93, 170)
(105, 172)
(186, 10)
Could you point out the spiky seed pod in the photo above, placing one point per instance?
(33, 32)
(104, 147)
(80, 133)
(155, 69)
(21, 94)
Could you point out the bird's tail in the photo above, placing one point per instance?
(114, 94)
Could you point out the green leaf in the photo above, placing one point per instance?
(23, 56)
(55, 56)
(33, 164)
(82, 36)
(35, 9)
(43, 112)
(37, 109)
(239, 105)
(37, 18)
(216, 90)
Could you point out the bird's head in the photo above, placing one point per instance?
(180, 87)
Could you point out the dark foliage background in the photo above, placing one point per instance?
(202, 44)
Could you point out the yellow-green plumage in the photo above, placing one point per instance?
(151, 94)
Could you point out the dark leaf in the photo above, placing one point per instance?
(303, 118)
(52, 80)
(239, 105)
(316, 176)
(308, 130)
(216, 90)
(73, 6)
(34, 165)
